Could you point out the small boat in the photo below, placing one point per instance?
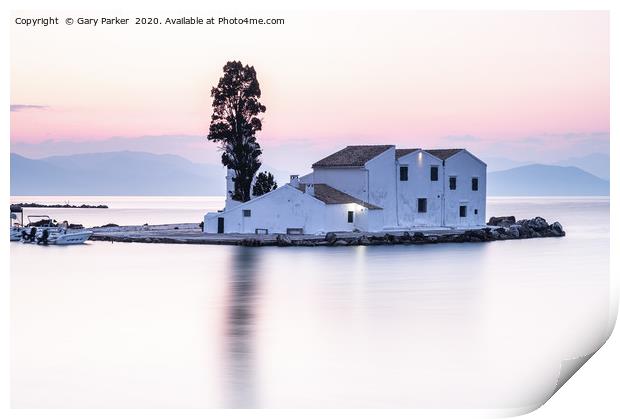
(17, 222)
(38, 229)
(16, 233)
(42, 222)
(67, 236)
(41, 229)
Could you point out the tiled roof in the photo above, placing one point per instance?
(444, 153)
(331, 196)
(352, 156)
(400, 152)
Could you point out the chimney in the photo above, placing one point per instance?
(310, 189)
(294, 181)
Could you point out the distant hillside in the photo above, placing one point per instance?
(495, 164)
(595, 163)
(114, 173)
(138, 173)
(540, 180)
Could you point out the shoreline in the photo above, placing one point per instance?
(498, 229)
(37, 205)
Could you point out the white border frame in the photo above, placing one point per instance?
(592, 392)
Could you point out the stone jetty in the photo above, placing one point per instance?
(498, 228)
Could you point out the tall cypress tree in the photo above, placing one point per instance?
(234, 122)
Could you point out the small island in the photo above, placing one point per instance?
(497, 229)
(36, 205)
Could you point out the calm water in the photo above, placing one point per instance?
(454, 325)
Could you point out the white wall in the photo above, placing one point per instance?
(369, 220)
(419, 185)
(352, 181)
(286, 207)
(336, 217)
(382, 184)
(377, 183)
(464, 166)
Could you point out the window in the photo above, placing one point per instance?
(474, 184)
(476, 211)
(350, 217)
(404, 173)
(452, 182)
(463, 211)
(421, 204)
(434, 173)
(247, 213)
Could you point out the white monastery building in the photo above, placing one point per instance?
(366, 188)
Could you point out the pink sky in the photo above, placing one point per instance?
(423, 79)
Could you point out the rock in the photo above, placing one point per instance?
(406, 237)
(539, 224)
(557, 230)
(330, 237)
(363, 241)
(494, 234)
(478, 235)
(340, 242)
(283, 240)
(250, 242)
(503, 221)
(514, 231)
(524, 230)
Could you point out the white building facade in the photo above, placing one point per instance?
(367, 188)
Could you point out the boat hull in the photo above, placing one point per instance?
(70, 238)
(16, 234)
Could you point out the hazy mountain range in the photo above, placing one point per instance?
(139, 173)
(115, 173)
(595, 163)
(540, 179)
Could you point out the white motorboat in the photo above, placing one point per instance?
(68, 236)
(41, 229)
(16, 233)
(38, 229)
(16, 222)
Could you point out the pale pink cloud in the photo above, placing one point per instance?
(391, 77)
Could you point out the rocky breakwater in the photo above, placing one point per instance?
(498, 228)
(526, 229)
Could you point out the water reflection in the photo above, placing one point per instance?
(239, 357)
(479, 325)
